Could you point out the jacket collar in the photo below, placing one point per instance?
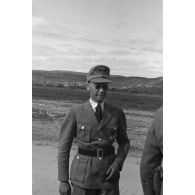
(90, 115)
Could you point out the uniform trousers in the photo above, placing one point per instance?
(82, 191)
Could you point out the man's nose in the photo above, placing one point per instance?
(102, 88)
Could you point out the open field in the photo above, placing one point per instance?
(121, 99)
(48, 116)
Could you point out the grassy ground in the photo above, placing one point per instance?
(48, 116)
(121, 99)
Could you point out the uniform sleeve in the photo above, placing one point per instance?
(67, 133)
(122, 140)
(151, 158)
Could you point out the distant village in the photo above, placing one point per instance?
(82, 85)
(78, 84)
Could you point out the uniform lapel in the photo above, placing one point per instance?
(90, 115)
(107, 115)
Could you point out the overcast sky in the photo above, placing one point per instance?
(74, 35)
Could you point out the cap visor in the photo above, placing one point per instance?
(100, 80)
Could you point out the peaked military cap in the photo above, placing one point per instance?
(99, 74)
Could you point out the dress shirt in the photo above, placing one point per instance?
(94, 105)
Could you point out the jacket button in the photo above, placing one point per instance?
(99, 139)
(77, 157)
(82, 127)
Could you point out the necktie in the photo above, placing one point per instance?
(98, 113)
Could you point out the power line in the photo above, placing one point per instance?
(78, 31)
(41, 34)
(91, 36)
(64, 33)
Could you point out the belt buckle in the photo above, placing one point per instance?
(100, 153)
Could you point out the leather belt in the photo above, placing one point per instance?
(99, 153)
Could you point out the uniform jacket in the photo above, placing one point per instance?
(153, 153)
(80, 123)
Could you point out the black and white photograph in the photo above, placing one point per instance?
(97, 97)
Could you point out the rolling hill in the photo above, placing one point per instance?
(41, 77)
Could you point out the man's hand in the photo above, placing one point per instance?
(64, 188)
(112, 170)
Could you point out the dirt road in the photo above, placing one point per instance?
(45, 172)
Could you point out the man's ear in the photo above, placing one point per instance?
(87, 86)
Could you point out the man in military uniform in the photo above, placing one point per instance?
(96, 125)
(151, 162)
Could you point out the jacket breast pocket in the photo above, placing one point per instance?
(83, 132)
(79, 168)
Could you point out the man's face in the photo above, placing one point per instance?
(97, 91)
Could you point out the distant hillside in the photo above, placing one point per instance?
(57, 76)
(120, 81)
(40, 76)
